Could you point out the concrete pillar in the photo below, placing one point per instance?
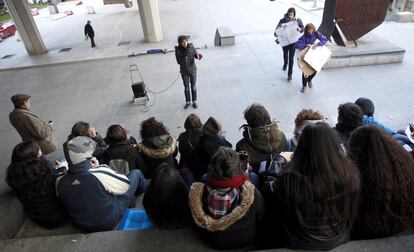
(25, 24)
(150, 20)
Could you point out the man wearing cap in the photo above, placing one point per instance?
(29, 126)
(95, 196)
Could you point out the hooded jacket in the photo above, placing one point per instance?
(31, 127)
(237, 229)
(155, 151)
(261, 142)
(91, 195)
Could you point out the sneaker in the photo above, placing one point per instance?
(186, 105)
(310, 84)
(302, 90)
(289, 77)
(284, 67)
(195, 105)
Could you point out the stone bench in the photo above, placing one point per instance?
(404, 17)
(224, 36)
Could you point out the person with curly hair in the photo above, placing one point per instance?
(349, 118)
(156, 147)
(387, 172)
(261, 136)
(185, 53)
(166, 199)
(313, 203)
(31, 177)
(303, 119)
(227, 209)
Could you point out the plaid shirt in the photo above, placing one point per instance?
(221, 201)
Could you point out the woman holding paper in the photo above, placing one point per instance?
(311, 38)
(289, 50)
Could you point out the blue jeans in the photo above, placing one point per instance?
(187, 80)
(137, 185)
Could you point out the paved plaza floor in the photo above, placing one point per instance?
(94, 84)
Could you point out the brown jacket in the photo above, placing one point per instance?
(31, 127)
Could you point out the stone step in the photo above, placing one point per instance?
(186, 239)
(371, 50)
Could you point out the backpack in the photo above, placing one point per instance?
(119, 158)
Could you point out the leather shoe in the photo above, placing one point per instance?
(195, 105)
(284, 67)
(302, 90)
(289, 77)
(310, 84)
(186, 105)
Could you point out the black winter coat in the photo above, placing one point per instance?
(185, 58)
(155, 151)
(207, 147)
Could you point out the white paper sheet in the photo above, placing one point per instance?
(287, 33)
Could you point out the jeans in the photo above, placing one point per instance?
(289, 54)
(187, 176)
(92, 40)
(305, 80)
(137, 185)
(187, 80)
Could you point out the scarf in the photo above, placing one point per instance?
(223, 195)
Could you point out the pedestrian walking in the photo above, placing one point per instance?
(289, 50)
(312, 39)
(89, 32)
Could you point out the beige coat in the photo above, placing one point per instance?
(31, 127)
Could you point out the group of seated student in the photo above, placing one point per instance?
(317, 190)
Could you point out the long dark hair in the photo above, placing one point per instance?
(166, 199)
(387, 172)
(27, 173)
(321, 182)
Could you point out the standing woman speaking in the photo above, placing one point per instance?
(311, 38)
(289, 50)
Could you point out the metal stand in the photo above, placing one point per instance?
(138, 86)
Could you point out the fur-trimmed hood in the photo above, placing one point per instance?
(158, 147)
(205, 221)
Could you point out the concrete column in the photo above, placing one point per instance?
(25, 24)
(150, 20)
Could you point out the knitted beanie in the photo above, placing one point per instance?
(366, 105)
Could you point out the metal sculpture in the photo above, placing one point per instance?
(355, 18)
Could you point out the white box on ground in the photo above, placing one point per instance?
(224, 36)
